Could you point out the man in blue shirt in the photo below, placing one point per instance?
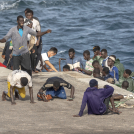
(97, 100)
(73, 61)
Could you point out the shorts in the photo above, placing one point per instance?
(60, 93)
(21, 91)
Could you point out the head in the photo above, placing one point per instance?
(127, 73)
(93, 83)
(26, 10)
(28, 23)
(29, 14)
(86, 55)
(66, 68)
(71, 53)
(96, 64)
(104, 53)
(96, 72)
(105, 71)
(56, 85)
(125, 84)
(96, 50)
(20, 21)
(24, 81)
(52, 52)
(111, 61)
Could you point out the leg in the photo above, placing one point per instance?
(39, 49)
(22, 92)
(16, 62)
(117, 97)
(61, 93)
(106, 102)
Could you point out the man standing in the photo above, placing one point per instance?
(18, 34)
(18, 79)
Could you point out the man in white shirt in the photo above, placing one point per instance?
(37, 28)
(44, 60)
(18, 79)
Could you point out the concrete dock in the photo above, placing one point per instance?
(56, 117)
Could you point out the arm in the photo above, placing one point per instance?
(42, 33)
(117, 74)
(85, 71)
(11, 94)
(51, 66)
(72, 93)
(83, 105)
(3, 40)
(38, 41)
(41, 62)
(31, 94)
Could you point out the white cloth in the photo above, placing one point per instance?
(44, 58)
(36, 25)
(15, 76)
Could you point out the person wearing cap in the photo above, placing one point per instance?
(97, 54)
(54, 86)
(18, 35)
(97, 100)
(113, 70)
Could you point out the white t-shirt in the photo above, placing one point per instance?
(15, 76)
(44, 58)
(36, 25)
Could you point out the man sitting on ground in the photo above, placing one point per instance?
(96, 64)
(97, 100)
(126, 77)
(66, 68)
(88, 68)
(113, 69)
(54, 86)
(105, 57)
(73, 61)
(96, 74)
(18, 79)
(97, 54)
(105, 73)
(45, 60)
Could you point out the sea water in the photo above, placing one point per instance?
(78, 24)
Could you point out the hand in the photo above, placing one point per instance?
(13, 103)
(33, 50)
(76, 116)
(49, 31)
(78, 68)
(3, 56)
(38, 43)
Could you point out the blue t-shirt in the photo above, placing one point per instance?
(21, 32)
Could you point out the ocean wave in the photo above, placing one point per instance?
(8, 5)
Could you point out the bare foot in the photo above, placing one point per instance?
(3, 96)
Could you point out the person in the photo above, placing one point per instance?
(44, 60)
(73, 61)
(97, 54)
(54, 86)
(113, 69)
(18, 34)
(105, 74)
(97, 100)
(18, 79)
(66, 68)
(88, 68)
(37, 28)
(125, 85)
(96, 64)
(27, 9)
(7, 51)
(32, 40)
(120, 67)
(96, 74)
(105, 56)
(127, 77)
